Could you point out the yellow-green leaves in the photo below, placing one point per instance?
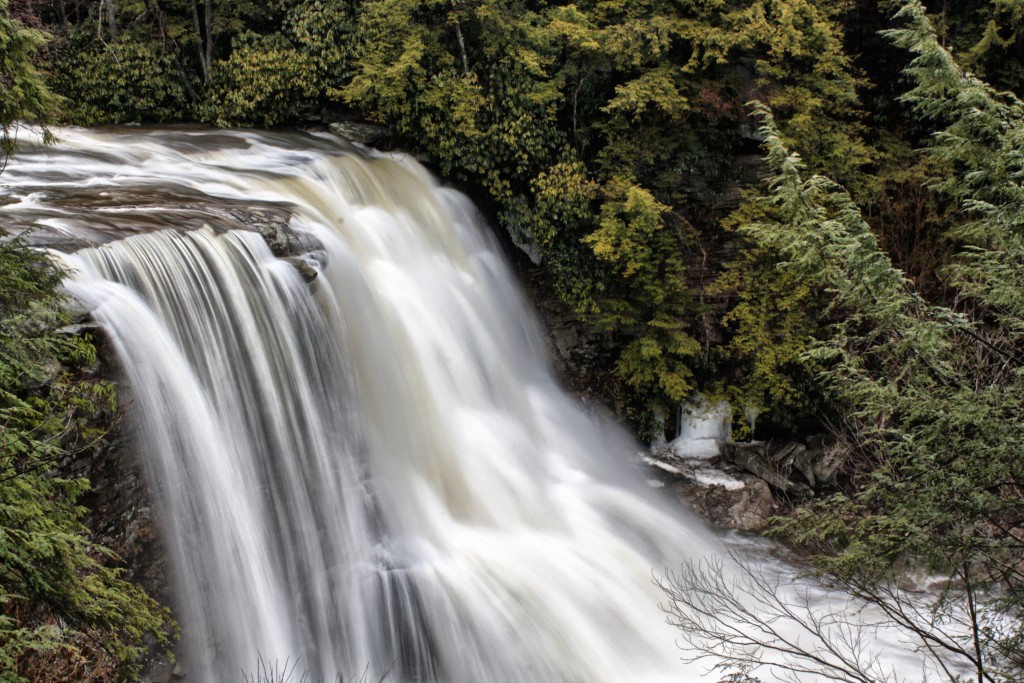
(263, 82)
(563, 195)
(652, 369)
(627, 234)
(656, 89)
(649, 299)
(572, 27)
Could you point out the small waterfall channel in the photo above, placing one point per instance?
(360, 456)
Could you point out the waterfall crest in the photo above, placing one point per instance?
(372, 470)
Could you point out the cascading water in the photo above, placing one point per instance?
(371, 471)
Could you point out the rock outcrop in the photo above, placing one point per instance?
(120, 513)
(742, 485)
(359, 132)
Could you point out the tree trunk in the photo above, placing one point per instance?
(204, 33)
(208, 18)
(945, 22)
(199, 37)
(111, 19)
(462, 43)
(171, 47)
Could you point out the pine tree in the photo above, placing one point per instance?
(24, 96)
(931, 395)
(60, 601)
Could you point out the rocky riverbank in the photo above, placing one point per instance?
(742, 485)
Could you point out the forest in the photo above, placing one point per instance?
(812, 209)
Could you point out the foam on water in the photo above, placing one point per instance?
(375, 470)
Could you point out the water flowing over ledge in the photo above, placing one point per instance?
(368, 466)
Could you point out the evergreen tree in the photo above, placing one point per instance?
(61, 605)
(24, 95)
(930, 395)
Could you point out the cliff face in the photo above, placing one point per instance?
(120, 512)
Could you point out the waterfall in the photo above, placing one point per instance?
(371, 471)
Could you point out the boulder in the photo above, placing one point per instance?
(729, 499)
(308, 265)
(360, 133)
(158, 673)
(827, 458)
(793, 456)
(753, 509)
(755, 459)
(741, 502)
(738, 488)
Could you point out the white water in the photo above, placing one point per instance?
(372, 471)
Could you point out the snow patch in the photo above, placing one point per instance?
(664, 466)
(708, 477)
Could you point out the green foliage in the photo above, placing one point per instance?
(322, 32)
(277, 77)
(654, 297)
(773, 322)
(986, 38)
(232, 61)
(121, 82)
(931, 395)
(263, 82)
(58, 593)
(805, 76)
(24, 95)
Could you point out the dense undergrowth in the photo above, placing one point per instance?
(65, 611)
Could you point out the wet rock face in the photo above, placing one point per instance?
(362, 133)
(121, 518)
(742, 485)
(729, 498)
(582, 356)
(121, 515)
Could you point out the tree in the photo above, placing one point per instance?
(24, 96)
(63, 605)
(930, 395)
(61, 602)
